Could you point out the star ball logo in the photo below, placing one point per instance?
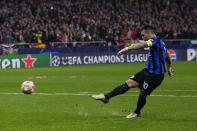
(56, 61)
(29, 61)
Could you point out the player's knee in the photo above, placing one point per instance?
(131, 83)
(142, 93)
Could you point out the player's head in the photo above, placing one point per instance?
(147, 32)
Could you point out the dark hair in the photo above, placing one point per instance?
(148, 28)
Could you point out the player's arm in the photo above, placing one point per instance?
(135, 47)
(169, 63)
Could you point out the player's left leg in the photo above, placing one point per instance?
(140, 104)
(149, 84)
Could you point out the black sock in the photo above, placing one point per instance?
(140, 104)
(118, 90)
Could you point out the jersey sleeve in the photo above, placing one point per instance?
(151, 43)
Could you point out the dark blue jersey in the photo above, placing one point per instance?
(156, 56)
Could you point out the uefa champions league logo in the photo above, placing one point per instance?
(55, 61)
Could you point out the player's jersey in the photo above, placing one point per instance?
(156, 56)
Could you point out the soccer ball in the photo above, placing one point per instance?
(27, 87)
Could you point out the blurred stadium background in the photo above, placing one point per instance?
(110, 22)
(47, 33)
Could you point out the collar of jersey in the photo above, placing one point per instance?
(154, 38)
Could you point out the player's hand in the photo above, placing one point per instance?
(170, 72)
(122, 51)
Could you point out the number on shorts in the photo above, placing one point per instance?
(145, 85)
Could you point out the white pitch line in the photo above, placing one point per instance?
(171, 91)
(194, 96)
(154, 91)
(177, 90)
(89, 94)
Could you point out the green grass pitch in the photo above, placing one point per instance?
(62, 100)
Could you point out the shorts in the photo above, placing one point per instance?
(148, 81)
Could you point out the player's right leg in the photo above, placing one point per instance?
(117, 91)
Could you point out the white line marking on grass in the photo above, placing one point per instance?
(171, 91)
(167, 96)
(154, 91)
(176, 90)
(89, 94)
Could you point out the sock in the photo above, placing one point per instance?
(140, 104)
(118, 90)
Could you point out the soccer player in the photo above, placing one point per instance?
(148, 78)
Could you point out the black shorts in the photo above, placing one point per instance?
(147, 81)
